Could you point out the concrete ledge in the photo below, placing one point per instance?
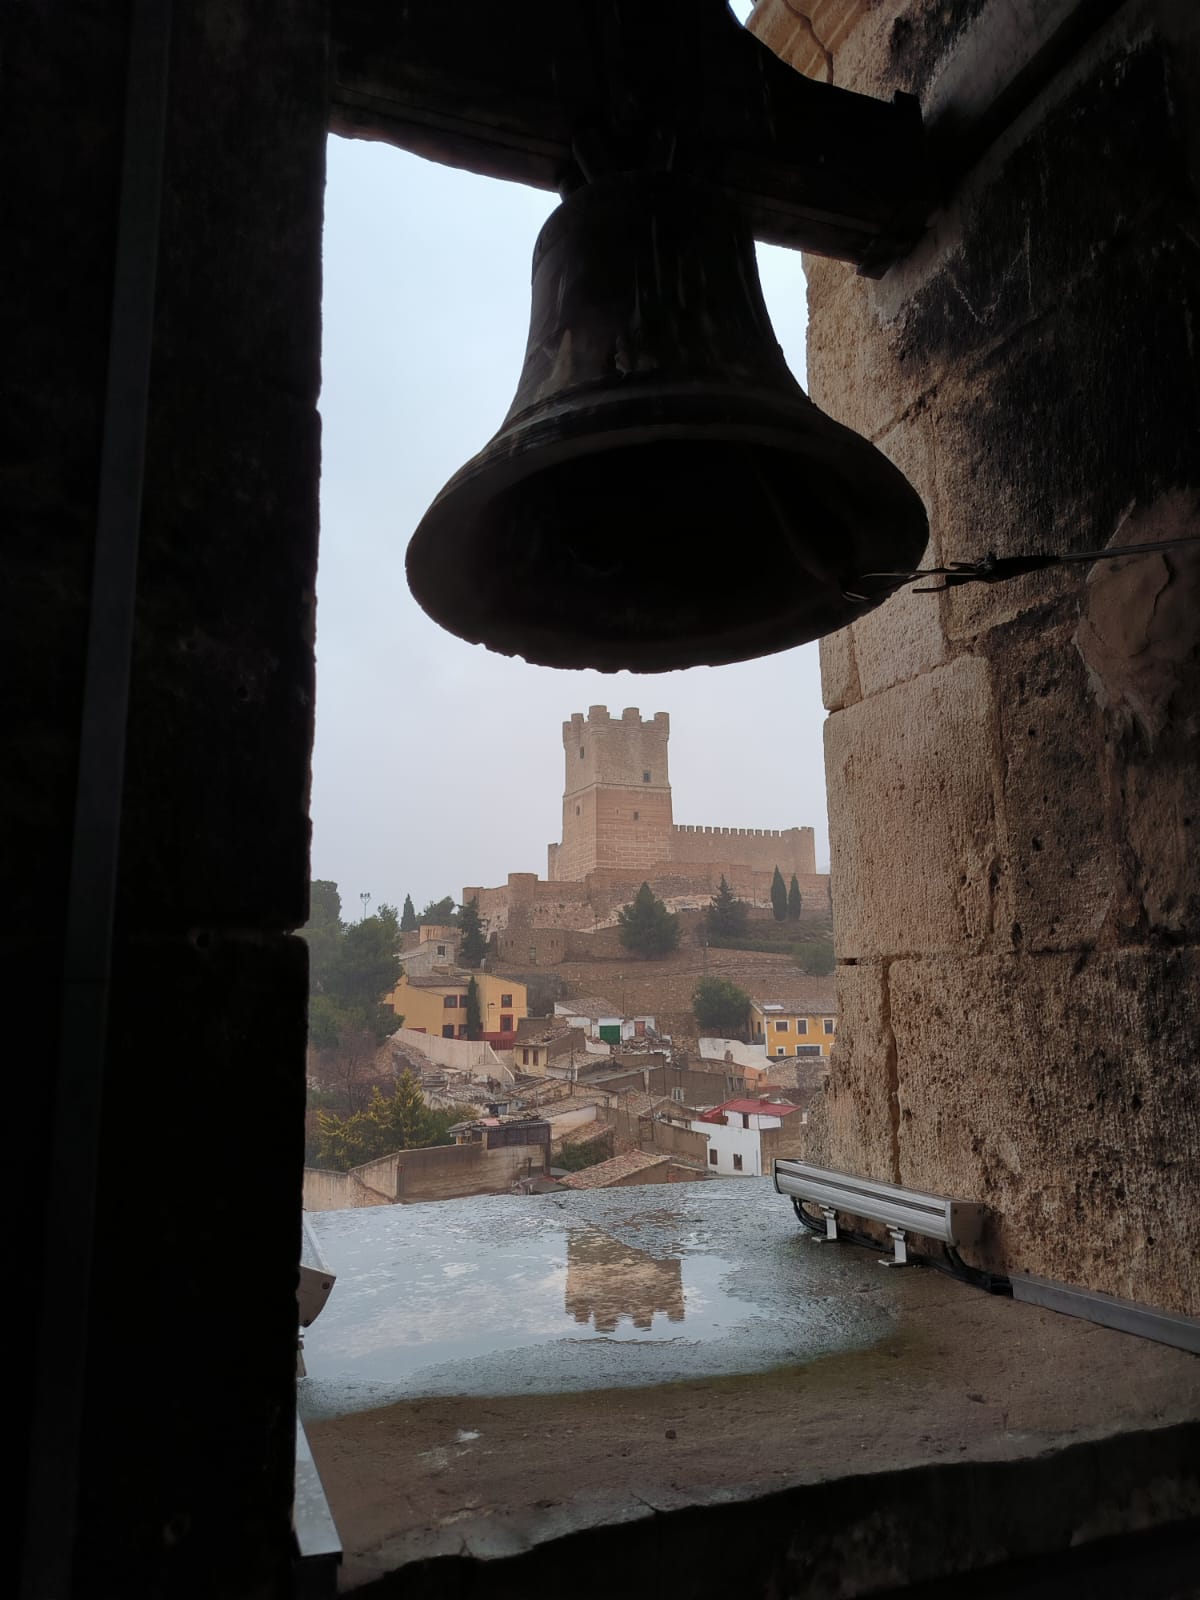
(868, 1535)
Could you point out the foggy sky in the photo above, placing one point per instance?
(438, 763)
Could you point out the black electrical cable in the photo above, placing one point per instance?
(952, 1265)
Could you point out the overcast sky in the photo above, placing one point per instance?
(438, 763)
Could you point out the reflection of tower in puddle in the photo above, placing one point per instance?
(608, 1280)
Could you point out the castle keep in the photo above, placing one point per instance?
(618, 831)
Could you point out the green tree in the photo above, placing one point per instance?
(402, 1119)
(794, 903)
(645, 927)
(474, 1011)
(344, 1142)
(352, 967)
(397, 1121)
(720, 1007)
(814, 957)
(779, 896)
(473, 946)
(408, 917)
(726, 918)
(589, 1153)
(440, 912)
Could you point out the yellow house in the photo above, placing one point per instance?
(794, 1027)
(438, 1004)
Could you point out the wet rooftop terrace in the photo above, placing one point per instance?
(679, 1368)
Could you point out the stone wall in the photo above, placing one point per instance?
(1013, 768)
(759, 849)
(445, 1172)
(373, 1184)
(528, 903)
(184, 1487)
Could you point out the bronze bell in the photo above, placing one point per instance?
(662, 492)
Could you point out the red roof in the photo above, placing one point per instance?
(768, 1108)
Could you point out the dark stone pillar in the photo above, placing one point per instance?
(186, 1464)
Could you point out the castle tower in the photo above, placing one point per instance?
(616, 797)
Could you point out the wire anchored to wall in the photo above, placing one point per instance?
(999, 569)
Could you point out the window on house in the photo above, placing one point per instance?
(441, 949)
(645, 777)
(737, 1163)
(809, 1050)
(450, 1002)
(581, 752)
(448, 1031)
(506, 1024)
(636, 815)
(781, 1027)
(677, 1094)
(781, 1051)
(801, 1024)
(829, 1024)
(462, 1030)
(745, 1119)
(524, 1058)
(576, 810)
(712, 1158)
(506, 999)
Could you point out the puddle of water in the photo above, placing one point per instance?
(500, 1297)
(390, 1317)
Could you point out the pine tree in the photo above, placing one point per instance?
(779, 897)
(402, 1119)
(726, 914)
(474, 946)
(646, 927)
(408, 917)
(474, 1011)
(795, 904)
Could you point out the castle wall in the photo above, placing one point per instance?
(762, 849)
(526, 906)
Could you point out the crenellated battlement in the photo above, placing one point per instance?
(599, 719)
(742, 833)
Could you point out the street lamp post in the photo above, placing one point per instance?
(366, 901)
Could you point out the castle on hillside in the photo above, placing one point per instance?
(617, 811)
(619, 830)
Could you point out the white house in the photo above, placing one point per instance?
(600, 1019)
(735, 1133)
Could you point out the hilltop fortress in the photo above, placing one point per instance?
(618, 830)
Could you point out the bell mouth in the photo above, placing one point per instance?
(663, 544)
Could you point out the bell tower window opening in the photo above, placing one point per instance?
(645, 777)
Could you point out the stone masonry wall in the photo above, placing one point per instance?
(184, 1487)
(760, 849)
(447, 1171)
(1012, 769)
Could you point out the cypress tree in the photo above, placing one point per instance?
(779, 897)
(795, 904)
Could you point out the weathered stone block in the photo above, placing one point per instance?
(903, 637)
(839, 672)
(1139, 640)
(916, 845)
(1063, 861)
(858, 366)
(1079, 1121)
(859, 1105)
